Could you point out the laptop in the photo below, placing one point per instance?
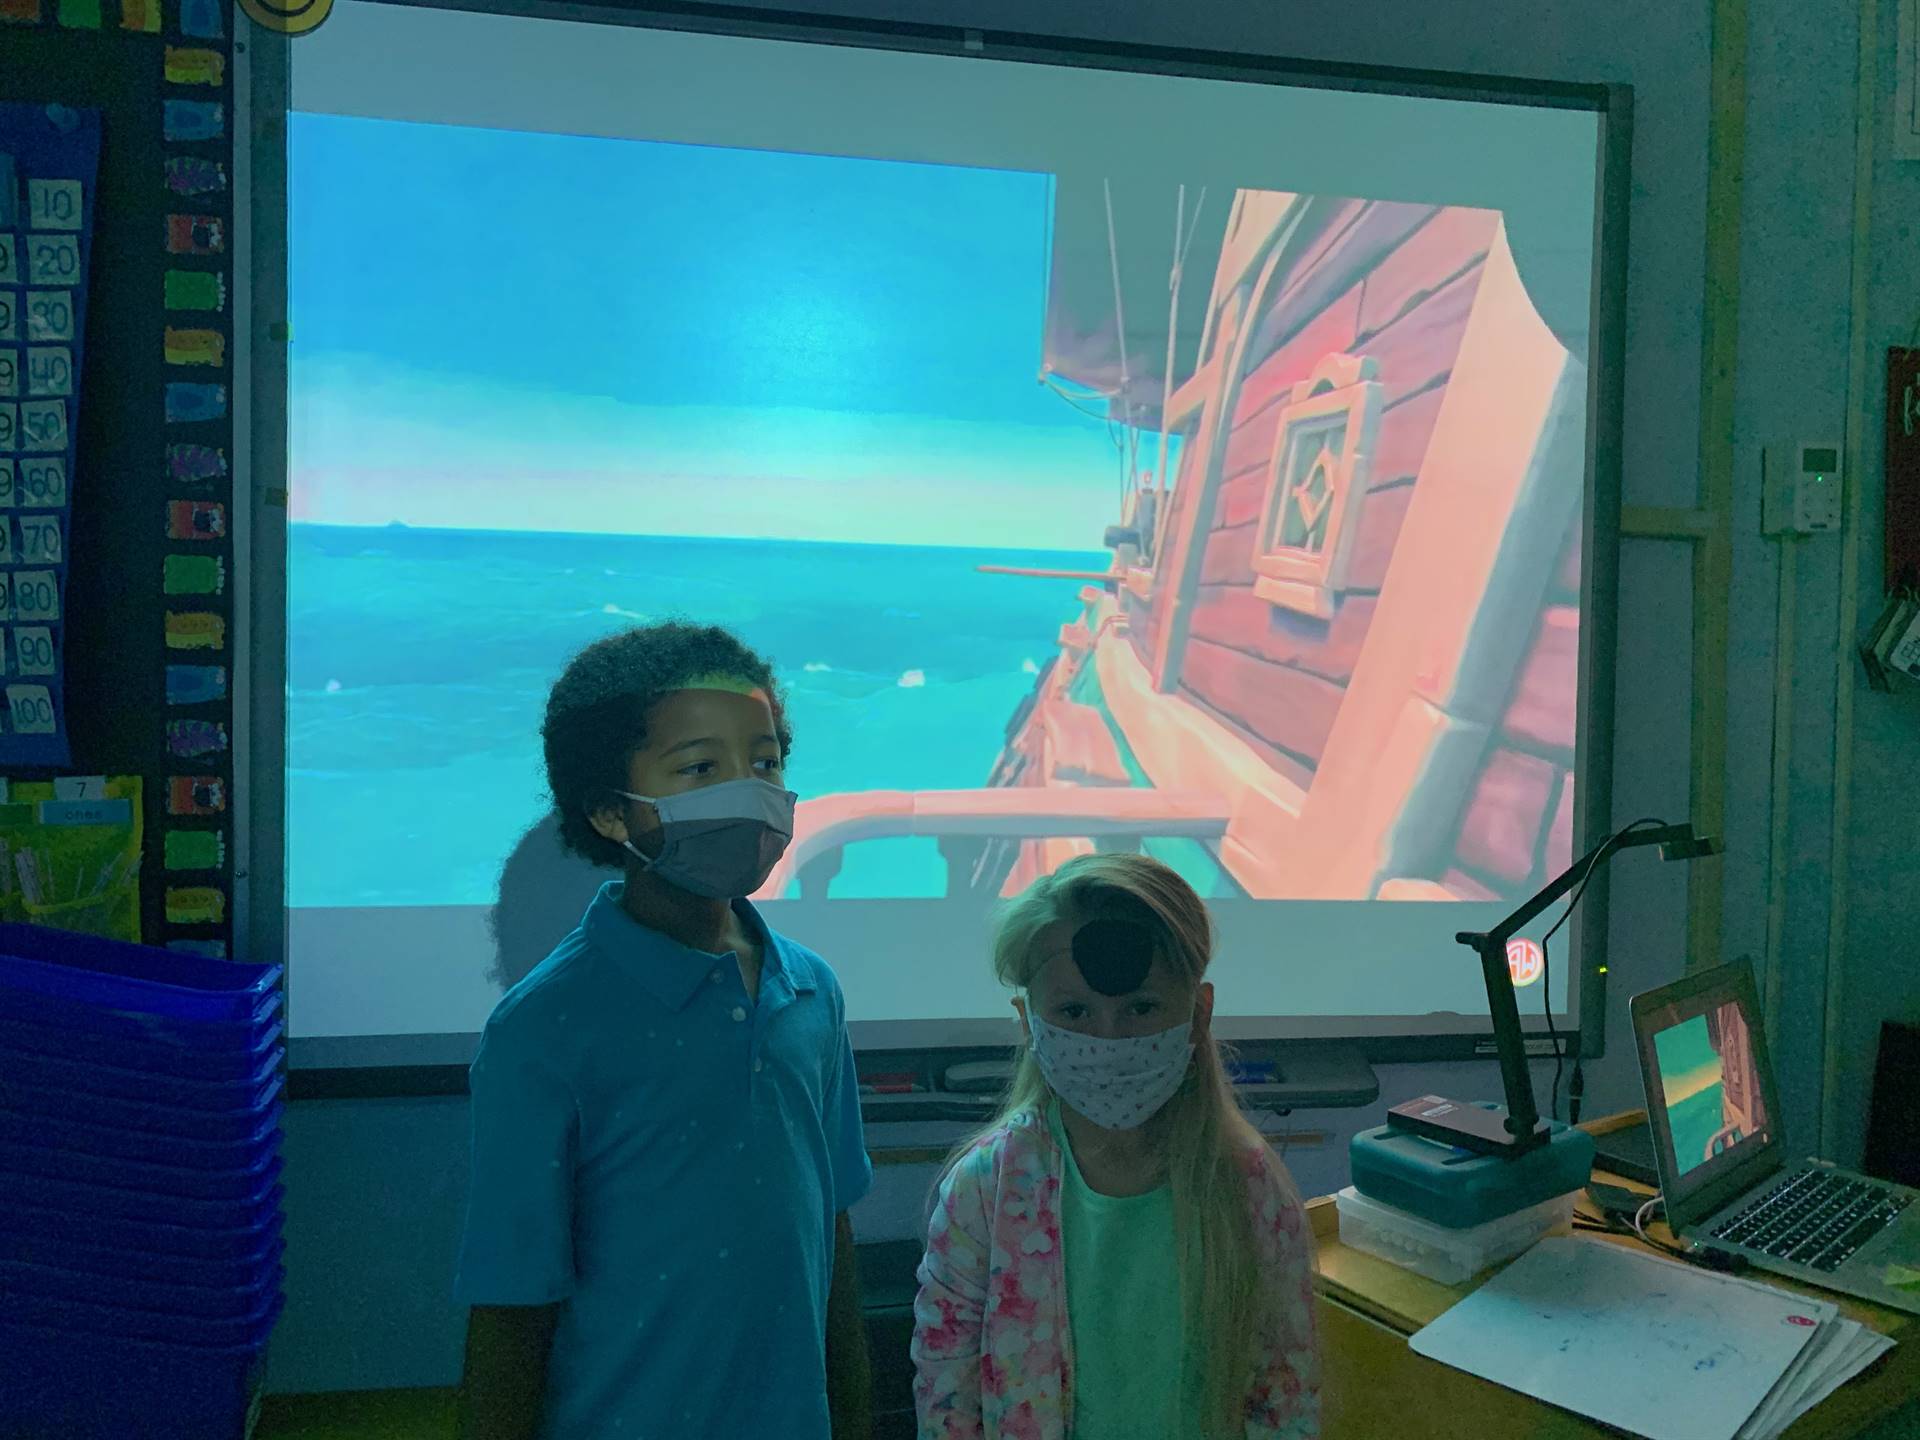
(1728, 1179)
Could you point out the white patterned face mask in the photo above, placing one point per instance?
(1117, 1084)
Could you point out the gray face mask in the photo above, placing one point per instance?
(721, 841)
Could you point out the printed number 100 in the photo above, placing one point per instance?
(32, 709)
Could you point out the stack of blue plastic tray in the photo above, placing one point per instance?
(140, 1249)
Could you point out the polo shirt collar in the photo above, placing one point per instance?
(673, 973)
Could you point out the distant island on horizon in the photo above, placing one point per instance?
(406, 527)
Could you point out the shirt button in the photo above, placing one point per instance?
(716, 977)
(738, 1013)
(758, 1066)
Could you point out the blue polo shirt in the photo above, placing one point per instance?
(667, 1158)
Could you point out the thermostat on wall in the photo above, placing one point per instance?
(1802, 490)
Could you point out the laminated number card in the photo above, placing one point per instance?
(49, 158)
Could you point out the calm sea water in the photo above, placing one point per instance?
(419, 663)
(1694, 1122)
(1687, 1049)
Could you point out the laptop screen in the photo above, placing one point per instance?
(1710, 1085)
(1711, 1105)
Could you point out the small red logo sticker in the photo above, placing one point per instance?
(1525, 961)
(1800, 1320)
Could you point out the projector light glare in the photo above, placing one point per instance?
(1525, 961)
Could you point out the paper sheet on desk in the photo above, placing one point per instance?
(1839, 1351)
(1650, 1346)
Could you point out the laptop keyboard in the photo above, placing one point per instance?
(1814, 1218)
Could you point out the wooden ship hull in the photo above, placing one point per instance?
(1335, 653)
(1742, 1110)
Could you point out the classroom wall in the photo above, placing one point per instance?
(1880, 978)
(1794, 260)
(376, 1189)
(1846, 797)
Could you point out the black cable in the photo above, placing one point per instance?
(1546, 1002)
(1546, 973)
(1546, 967)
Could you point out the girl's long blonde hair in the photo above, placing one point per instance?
(1201, 1131)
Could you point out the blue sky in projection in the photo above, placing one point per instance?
(675, 339)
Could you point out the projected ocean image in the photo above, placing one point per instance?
(1076, 511)
(682, 392)
(451, 701)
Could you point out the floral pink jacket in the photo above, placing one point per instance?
(991, 1344)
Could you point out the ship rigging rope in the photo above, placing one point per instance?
(1130, 450)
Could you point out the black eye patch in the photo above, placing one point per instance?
(1113, 955)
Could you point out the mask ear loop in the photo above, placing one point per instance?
(627, 844)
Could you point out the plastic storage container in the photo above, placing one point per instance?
(235, 1124)
(52, 1385)
(1436, 1251)
(189, 1056)
(190, 1182)
(87, 1077)
(250, 1191)
(59, 1283)
(88, 1203)
(128, 1263)
(231, 1242)
(141, 1248)
(49, 1132)
(1454, 1187)
(84, 975)
(120, 1325)
(40, 1002)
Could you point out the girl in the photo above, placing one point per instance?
(1119, 1256)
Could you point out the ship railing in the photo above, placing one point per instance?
(966, 823)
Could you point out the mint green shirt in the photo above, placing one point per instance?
(1123, 1307)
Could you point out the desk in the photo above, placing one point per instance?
(1375, 1386)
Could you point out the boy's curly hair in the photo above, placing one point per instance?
(597, 715)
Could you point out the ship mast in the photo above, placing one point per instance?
(1182, 240)
(1130, 450)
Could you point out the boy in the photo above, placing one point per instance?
(666, 1118)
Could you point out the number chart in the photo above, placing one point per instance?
(49, 161)
(118, 374)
